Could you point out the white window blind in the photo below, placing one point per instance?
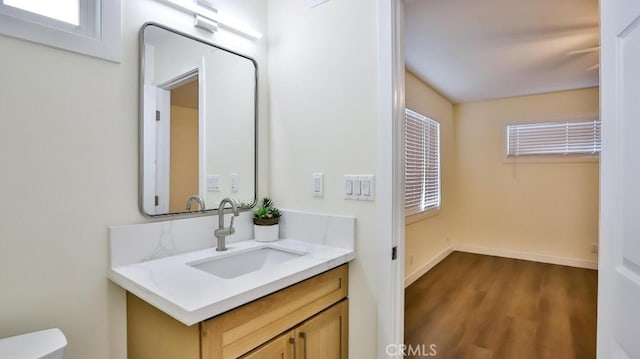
(422, 163)
(554, 138)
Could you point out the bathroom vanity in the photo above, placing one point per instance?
(187, 300)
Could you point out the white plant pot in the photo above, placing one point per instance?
(266, 233)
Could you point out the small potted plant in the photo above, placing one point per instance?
(265, 221)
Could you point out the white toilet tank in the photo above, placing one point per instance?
(44, 344)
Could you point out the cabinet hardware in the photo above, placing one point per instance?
(303, 336)
(292, 341)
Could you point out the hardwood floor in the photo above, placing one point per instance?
(476, 306)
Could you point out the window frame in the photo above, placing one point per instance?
(98, 35)
(411, 217)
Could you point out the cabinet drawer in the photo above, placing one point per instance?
(236, 332)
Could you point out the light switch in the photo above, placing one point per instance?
(357, 187)
(213, 183)
(366, 187)
(234, 182)
(348, 186)
(318, 185)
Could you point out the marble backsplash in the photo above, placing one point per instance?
(142, 242)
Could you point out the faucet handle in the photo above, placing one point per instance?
(231, 229)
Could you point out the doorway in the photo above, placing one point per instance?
(179, 141)
(184, 143)
(491, 206)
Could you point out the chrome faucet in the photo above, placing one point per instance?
(222, 232)
(197, 198)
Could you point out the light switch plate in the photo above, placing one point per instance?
(234, 182)
(318, 185)
(359, 187)
(213, 183)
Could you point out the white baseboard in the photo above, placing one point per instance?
(528, 256)
(426, 267)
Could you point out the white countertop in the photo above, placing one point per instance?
(191, 295)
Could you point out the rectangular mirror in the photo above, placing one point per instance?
(198, 124)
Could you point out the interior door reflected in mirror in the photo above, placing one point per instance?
(198, 124)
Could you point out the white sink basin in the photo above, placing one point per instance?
(235, 265)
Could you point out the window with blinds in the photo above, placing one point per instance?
(422, 163)
(554, 138)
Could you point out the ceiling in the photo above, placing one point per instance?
(472, 50)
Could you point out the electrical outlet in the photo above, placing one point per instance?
(594, 247)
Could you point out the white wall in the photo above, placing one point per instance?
(68, 154)
(323, 88)
(540, 207)
(530, 208)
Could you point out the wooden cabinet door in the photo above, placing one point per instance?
(324, 336)
(237, 332)
(281, 347)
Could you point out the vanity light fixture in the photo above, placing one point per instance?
(204, 23)
(206, 17)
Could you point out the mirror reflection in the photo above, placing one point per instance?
(198, 138)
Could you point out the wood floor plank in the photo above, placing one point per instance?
(476, 306)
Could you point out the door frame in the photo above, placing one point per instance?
(197, 72)
(163, 134)
(390, 291)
